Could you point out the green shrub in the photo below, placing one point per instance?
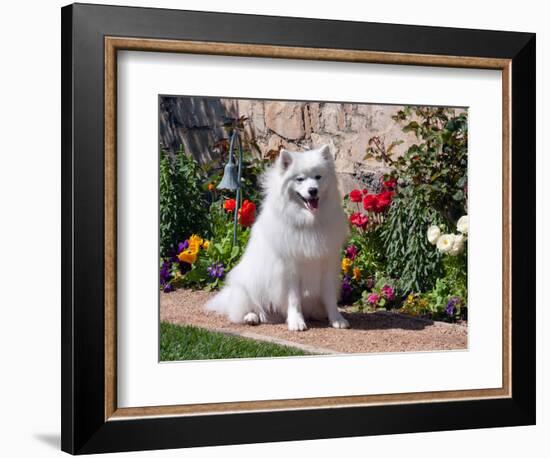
(452, 286)
(183, 205)
(409, 255)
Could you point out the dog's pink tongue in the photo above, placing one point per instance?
(313, 204)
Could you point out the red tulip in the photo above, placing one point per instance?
(247, 213)
(355, 195)
(383, 200)
(229, 205)
(370, 202)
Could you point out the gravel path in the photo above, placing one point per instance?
(372, 332)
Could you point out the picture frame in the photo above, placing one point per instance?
(92, 35)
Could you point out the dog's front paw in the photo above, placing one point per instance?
(339, 323)
(296, 323)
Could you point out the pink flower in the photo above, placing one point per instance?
(373, 298)
(388, 292)
(351, 252)
(359, 220)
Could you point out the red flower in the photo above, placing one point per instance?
(229, 205)
(370, 202)
(247, 213)
(383, 200)
(359, 220)
(355, 195)
(390, 183)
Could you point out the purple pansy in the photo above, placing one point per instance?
(165, 275)
(168, 288)
(216, 270)
(346, 289)
(450, 308)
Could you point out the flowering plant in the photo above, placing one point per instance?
(363, 257)
(381, 295)
(451, 244)
(375, 204)
(198, 262)
(181, 261)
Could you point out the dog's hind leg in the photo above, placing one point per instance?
(240, 308)
(252, 319)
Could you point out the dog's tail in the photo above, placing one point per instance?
(232, 301)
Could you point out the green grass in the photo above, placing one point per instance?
(178, 343)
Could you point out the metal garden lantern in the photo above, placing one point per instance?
(231, 178)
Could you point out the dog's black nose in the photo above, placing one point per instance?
(313, 192)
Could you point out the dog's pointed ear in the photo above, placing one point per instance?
(285, 159)
(325, 153)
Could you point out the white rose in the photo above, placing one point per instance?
(433, 234)
(462, 224)
(445, 242)
(458, 245)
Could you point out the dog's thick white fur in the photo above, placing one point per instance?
(291, 264)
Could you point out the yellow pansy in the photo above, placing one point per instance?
(346, 264)
(356, 273)
(206, 244)
(189, 256)
(195, 243)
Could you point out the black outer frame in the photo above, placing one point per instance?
(83, 426)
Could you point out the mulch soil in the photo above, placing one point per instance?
(370, 332)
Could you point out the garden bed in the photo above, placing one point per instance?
(370, 332)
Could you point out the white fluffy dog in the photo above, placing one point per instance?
(291, 264)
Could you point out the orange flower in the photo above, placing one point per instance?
(346, 264)
(356, 273)
(189, 256)
(247, 213)
(195, 243)
(210, 186)
(229, 205)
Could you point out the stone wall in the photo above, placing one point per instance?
(197, 124)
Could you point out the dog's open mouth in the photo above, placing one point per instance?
(312, 204)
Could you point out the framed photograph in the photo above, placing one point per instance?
(285, 228)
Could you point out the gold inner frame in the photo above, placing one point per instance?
(114, 44)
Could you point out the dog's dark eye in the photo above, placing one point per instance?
(300, 179)
(318, 177)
